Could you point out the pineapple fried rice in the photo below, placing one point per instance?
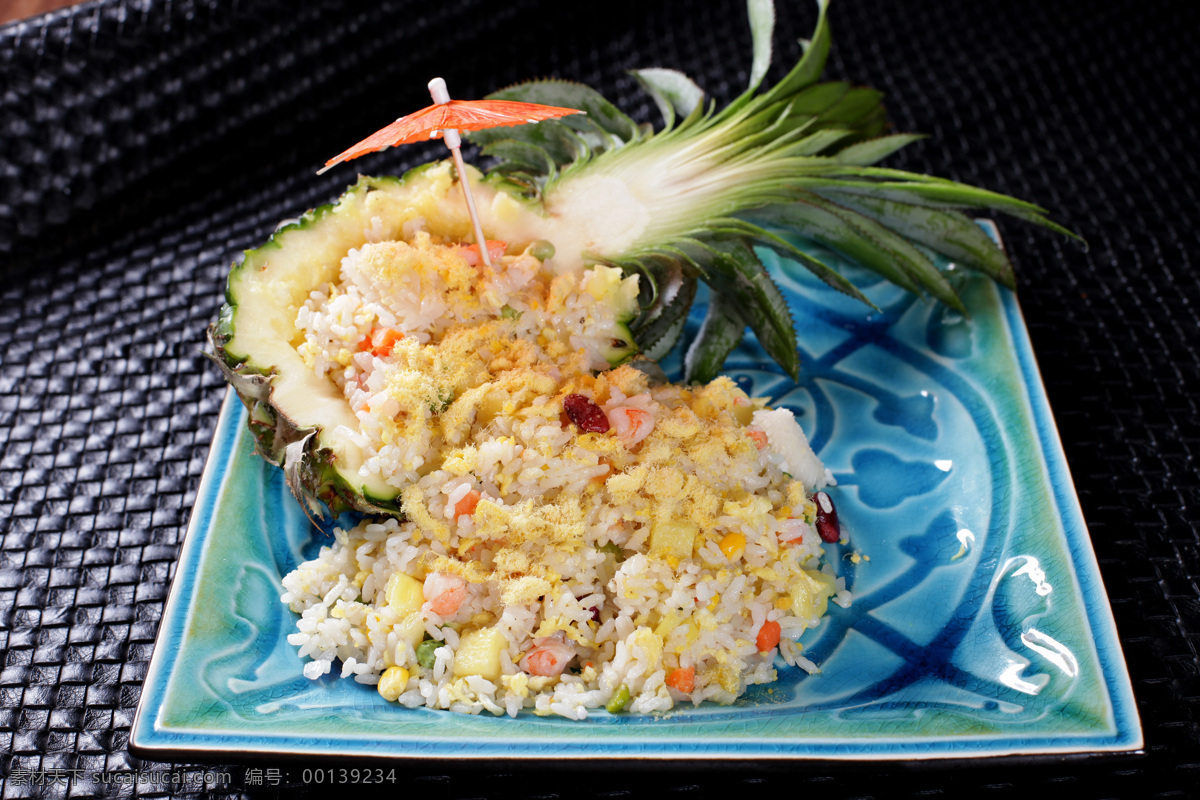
(575, 537)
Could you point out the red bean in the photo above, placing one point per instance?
(586, 414)
(827, 518)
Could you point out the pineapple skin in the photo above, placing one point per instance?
(253, 339)
(297, 258)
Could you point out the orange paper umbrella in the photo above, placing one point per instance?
(445, 118)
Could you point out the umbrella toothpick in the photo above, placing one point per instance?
(437, 90)
(446, 118)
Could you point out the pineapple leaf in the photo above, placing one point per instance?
(693, 200)
(915, 264)
(868, 152)
(673, 92)
(719, 334)
(819, 98)
(806, 71)
(951, 233)
(839, 234)
(930, 192)
(762, 28)
(603, 114)
(521, 154)
(855, 105)
(739, 274)
(658, 327)
(821, 270)
(563, 145)
(822, 140)
(918, 189)
(876, 240)
(514, 179)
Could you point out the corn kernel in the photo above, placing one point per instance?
(732, 543)
(392, 683)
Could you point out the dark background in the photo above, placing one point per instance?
(144, 144)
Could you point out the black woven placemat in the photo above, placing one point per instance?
(144, 144)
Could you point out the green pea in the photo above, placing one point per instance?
(508, 312)
(425, 650)
(620, 699)
(612, 549)
(541, 250)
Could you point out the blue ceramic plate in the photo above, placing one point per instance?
(979, 626)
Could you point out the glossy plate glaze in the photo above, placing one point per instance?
(979, 627)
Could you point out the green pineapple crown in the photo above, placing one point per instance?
(713, 185)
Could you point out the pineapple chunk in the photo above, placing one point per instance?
(609, 285)
(673, 538)
(479, 652)
(404, 593)
(411, 628)
(651, 644)
(810, 593)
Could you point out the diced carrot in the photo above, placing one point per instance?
(759, 437)
(467, 504)
(768, 636)
(682, 678)
(385, 340)
(380, 341)
(495, 249)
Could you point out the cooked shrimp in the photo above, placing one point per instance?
(549, 656)
(444, 593)
(759, 437)
(631, 424)
(793, 531)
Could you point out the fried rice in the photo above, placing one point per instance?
(574, 537)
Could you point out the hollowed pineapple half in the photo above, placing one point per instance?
(660, 211)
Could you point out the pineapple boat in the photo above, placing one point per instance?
(551, 525)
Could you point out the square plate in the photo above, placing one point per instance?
(979, 627)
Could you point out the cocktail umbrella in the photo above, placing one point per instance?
(445, 118)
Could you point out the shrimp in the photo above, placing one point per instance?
(794, 531)
(759, 437)
(444, 593)
(631, 424)
(549, 656)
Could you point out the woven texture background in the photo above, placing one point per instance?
(144, 144)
